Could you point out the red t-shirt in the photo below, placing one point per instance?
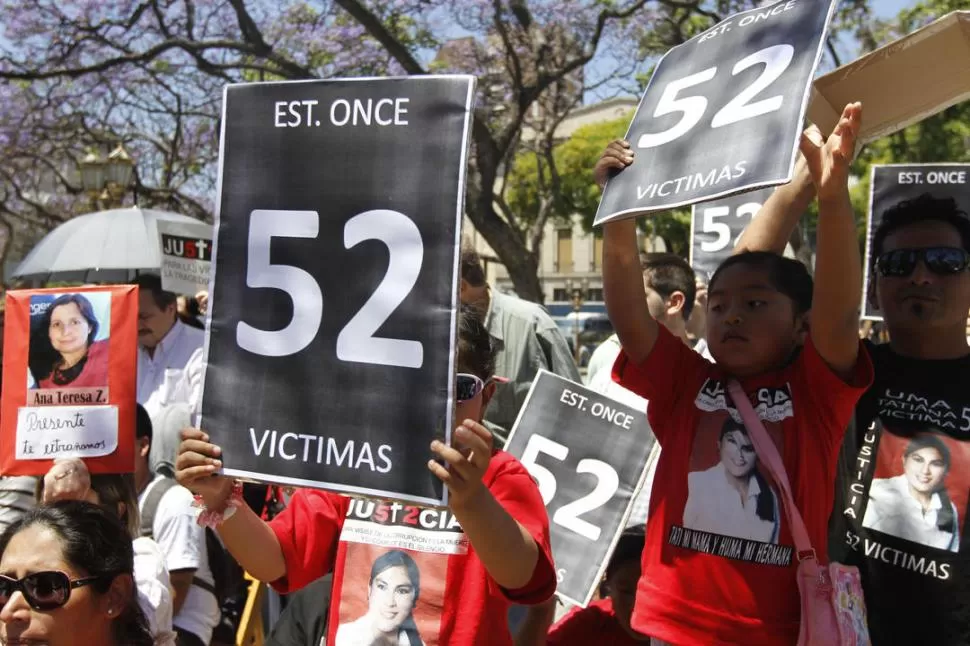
(94, 374)
(437, 591)
(594, 624)
(719, 562)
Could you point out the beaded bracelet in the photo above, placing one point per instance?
(212, 518)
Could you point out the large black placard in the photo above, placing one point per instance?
(723, 112)
(330, 352)
(895, 183)
(588, 453)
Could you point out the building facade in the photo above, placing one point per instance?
(570, 258)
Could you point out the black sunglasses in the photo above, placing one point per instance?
(943, 261)
(43, 590)
(468, 386)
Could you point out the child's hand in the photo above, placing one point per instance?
(617, 156)
(829, 160)
(467, 460)
(196, 468)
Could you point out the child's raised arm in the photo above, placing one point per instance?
(623, 290)
(771, 228)
(838, 265)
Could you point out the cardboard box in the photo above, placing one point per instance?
(902, 82)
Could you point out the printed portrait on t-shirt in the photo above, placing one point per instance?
(728, 491)
(919, 488)
(393, 590)
(68, 344)
(393, 585)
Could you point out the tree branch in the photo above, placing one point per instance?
(376, 28)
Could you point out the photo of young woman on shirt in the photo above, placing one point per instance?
(392, 592)
(696, 588)
(733, 498)
(915, 505)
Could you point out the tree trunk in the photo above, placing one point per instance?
(521, 263)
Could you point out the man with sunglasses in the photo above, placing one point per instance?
(915, 594)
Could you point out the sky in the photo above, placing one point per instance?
(848, 48)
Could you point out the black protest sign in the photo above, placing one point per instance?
(716, 227)
(588, 453)
(891, 184)
(330, 355)
(723, 112)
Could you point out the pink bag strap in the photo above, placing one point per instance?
(769, 456)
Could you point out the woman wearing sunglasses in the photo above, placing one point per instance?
(488, 550)
(70, 480)
(66, 580)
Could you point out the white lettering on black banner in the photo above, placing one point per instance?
(330, 355)
(716, 227)
(723, 112)
(893, 184)
(588, 455)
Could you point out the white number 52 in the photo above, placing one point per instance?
(776, 60)
(607, 483)
(356, 341)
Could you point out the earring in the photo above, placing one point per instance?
(111, 612)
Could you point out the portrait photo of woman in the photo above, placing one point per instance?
(393, 590)
(733, 498)
(915, 505)
(66, 350)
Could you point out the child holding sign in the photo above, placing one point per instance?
(404, 574)
(711, 575)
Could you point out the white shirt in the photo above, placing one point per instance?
(893, 510)
(713, 505)
(173, 374)
(182, 541)
(154, 590)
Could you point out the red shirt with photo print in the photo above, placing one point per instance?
(719, 563)
(408, 571)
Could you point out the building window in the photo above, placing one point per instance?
(560, 294)
(564, 250)
(598, 251)
(595, 294)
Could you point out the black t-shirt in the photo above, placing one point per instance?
(901, 504)
(304, 621)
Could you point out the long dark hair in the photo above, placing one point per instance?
(114, 490)
(92, 540)
(397, 558)
(946, 520)
(43, 357)
(765, 507)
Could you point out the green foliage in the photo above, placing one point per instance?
(529, 182)
(574, 160)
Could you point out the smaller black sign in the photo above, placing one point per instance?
(588, 454)
(717, 226)
(895, 183)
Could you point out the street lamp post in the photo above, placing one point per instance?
(578, 293)
(107, 180)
